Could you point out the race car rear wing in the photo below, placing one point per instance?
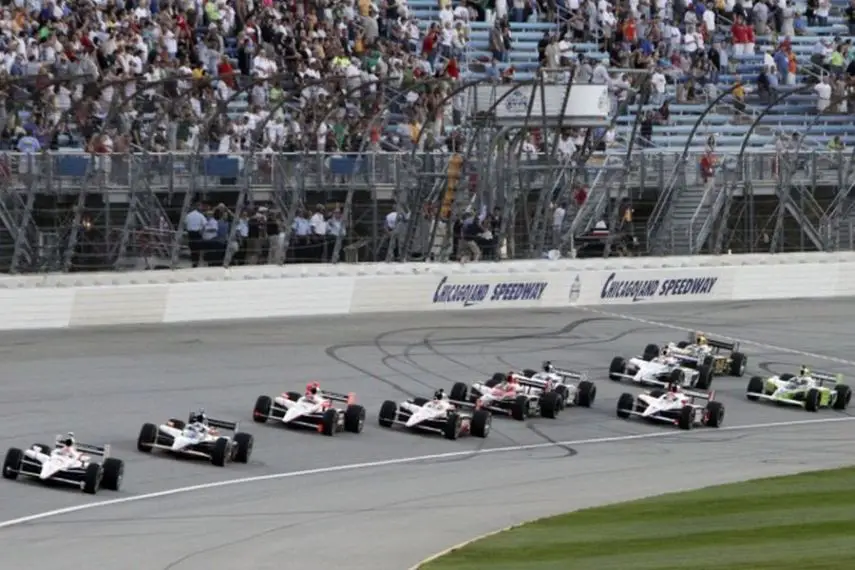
(223, 424)
(530, 382)
(88, 448)
(339, 397)
(571, 374)
(826, 377)
(715, 343)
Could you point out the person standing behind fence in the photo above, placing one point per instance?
(194, 223)
(28, 146)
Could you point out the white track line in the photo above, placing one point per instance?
(401, 461)
(731, 338)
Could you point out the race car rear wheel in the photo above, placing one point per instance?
(844, 396)
(737, 364)
(177, 424)
(92, 478)
(243, 446)
(114, 472)
(220, 452)
(480, 423)
(12, 463)
(329, 422)
(497, 379)
(755, 386)
(388, 412)
(618, 366)
(147, 437)
(562, 391)
(686, 420)
(354, 418)
(812, 400)
(705, 377)
(452, 426)
(651, 351)
(714, 414)
(624, 405)
(261, 411)
(586, 393)
(550, 405)
(459, 392)
(519, 408)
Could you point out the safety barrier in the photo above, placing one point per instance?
(101, 299)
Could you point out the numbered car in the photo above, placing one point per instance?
(675, 406)
(518, 396)
(315, 409)
(809, 390)
(441, 415)
(199, 437)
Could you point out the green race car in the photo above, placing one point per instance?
(809, 390)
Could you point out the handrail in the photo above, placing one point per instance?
(662, 203)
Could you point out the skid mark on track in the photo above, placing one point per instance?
(675, 435)
(763, 345)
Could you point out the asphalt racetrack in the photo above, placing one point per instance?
(385, 499)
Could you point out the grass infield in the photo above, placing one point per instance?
(797, 522)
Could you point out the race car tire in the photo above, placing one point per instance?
(550, 405)
(480, 423)
(452, 426)
(709, 360)
(354, 418)
(147, 437)
(755, 386)
(497, 379)
(682, 344)
(624, 405)
(46, 449)
(114, 472)
(586, 393)
(243, 444)
(618, 366)
(677, 377)
(329, 422)
(737, 364)
(812, 400)
(651, 351)
(704, 378)
(12, 463)
(565, 395)
(92, 478)
(528, 372)
(459, 392)
(220, 452)
(420, 401)
(293, 396)
(687, 418)
(519, 408)
(261, 411)
(844, 396)
(714, 414)
(388, 413)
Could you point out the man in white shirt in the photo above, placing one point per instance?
(558, 216)
(823, 91)
(194, 223)
(320, 239)
(658, 81)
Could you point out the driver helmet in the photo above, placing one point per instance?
(547, 366)
(439, 394)
(312, 388)
(198, 417)
(68, 440)
(664, 351)
(673, 387)
(511, 379)
(702, 340)
(804, 371)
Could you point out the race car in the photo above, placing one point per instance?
(68, 462)
(441, 415)
(517, 396)
(701, 350)
(199, 437)
(313, 409)
(674, 405)
(660, 370)
(807, 389)
(574, 387)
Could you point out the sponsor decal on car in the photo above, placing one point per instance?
(469, 294)
(643, 289)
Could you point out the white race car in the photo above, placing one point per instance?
(524, 397)
(441, 415)
(69, 464)
(673, 406)
(198, 439)
(316, 412)
(661, 370)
